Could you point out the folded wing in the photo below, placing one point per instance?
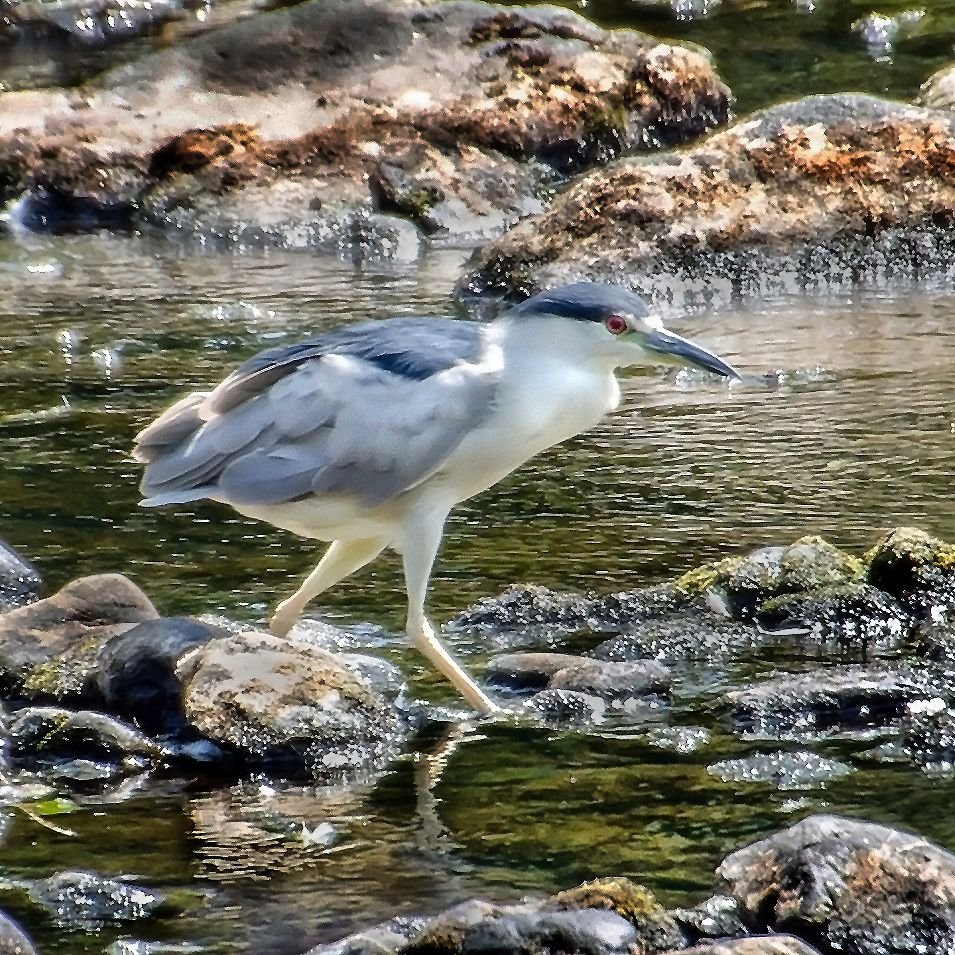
(322, 420)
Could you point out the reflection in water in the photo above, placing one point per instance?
(841, 426)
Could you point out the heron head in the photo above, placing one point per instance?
(621, 327)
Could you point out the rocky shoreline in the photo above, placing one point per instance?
(99, 689)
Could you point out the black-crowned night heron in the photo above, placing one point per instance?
(369, 435)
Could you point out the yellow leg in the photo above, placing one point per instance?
(341, 559)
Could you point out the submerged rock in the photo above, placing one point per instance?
(681, 637)
(837, 699)
(526, 607)
(287, 706)
(850, 886)
(826, 190)
(859, 617)
(47, 733)
(784, 770)
(567, 706)
(87, 901)
(528, 671)
(333, 123)
(48, 649)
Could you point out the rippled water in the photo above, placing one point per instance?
(843, 426)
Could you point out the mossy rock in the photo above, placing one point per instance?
(854, 614)
(443, 939)
(746, 582)
(914, 567)
(638, 905)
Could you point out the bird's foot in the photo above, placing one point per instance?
(283, 620)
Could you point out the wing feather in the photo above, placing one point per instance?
(331, 423)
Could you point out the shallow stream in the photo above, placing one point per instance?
(842, 426)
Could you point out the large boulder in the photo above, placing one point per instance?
(823, 190)
(332, 123)
(287, 706)
(49, 649)
(848, 886)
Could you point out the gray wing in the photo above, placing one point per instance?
(334, 423)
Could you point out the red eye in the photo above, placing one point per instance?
(616, 324)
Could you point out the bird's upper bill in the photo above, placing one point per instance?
(675, 349)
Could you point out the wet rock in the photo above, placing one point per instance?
(477, 926)
(809, 564)
(848, 886)
(784, 770)
(934, 641)
(823, 191)
(755, 945)
(857, 616)
(136, 671)
(87, 901)
(526, 607)
(915, 568)
(47, 733)
(718, 917)
(613, 681)
(380, 676)
(837, 699)
(287, 706)
(336, 123)
(528, 671)
(928, 736)
(655, 927)
(20, 581)
(84, 24)
(13, 940)
(567, 706)
(48, 649)
(703, 636)
(383, 939)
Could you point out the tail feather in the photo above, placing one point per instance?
(172, 427)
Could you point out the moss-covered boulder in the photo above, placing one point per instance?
(915, 568)
(656, 928)
(745, 583)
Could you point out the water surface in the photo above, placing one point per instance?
(842, 426)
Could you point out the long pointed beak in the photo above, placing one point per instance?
(682, 351)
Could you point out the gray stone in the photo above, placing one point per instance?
(288, 706)
(855, 886)
(48, 649)
(527, 671)
(717, 917)
(611, 680)
(13, 940)
(838, 699)
(915, 568)
(87, 901)
(46, 733)
(755, 945)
